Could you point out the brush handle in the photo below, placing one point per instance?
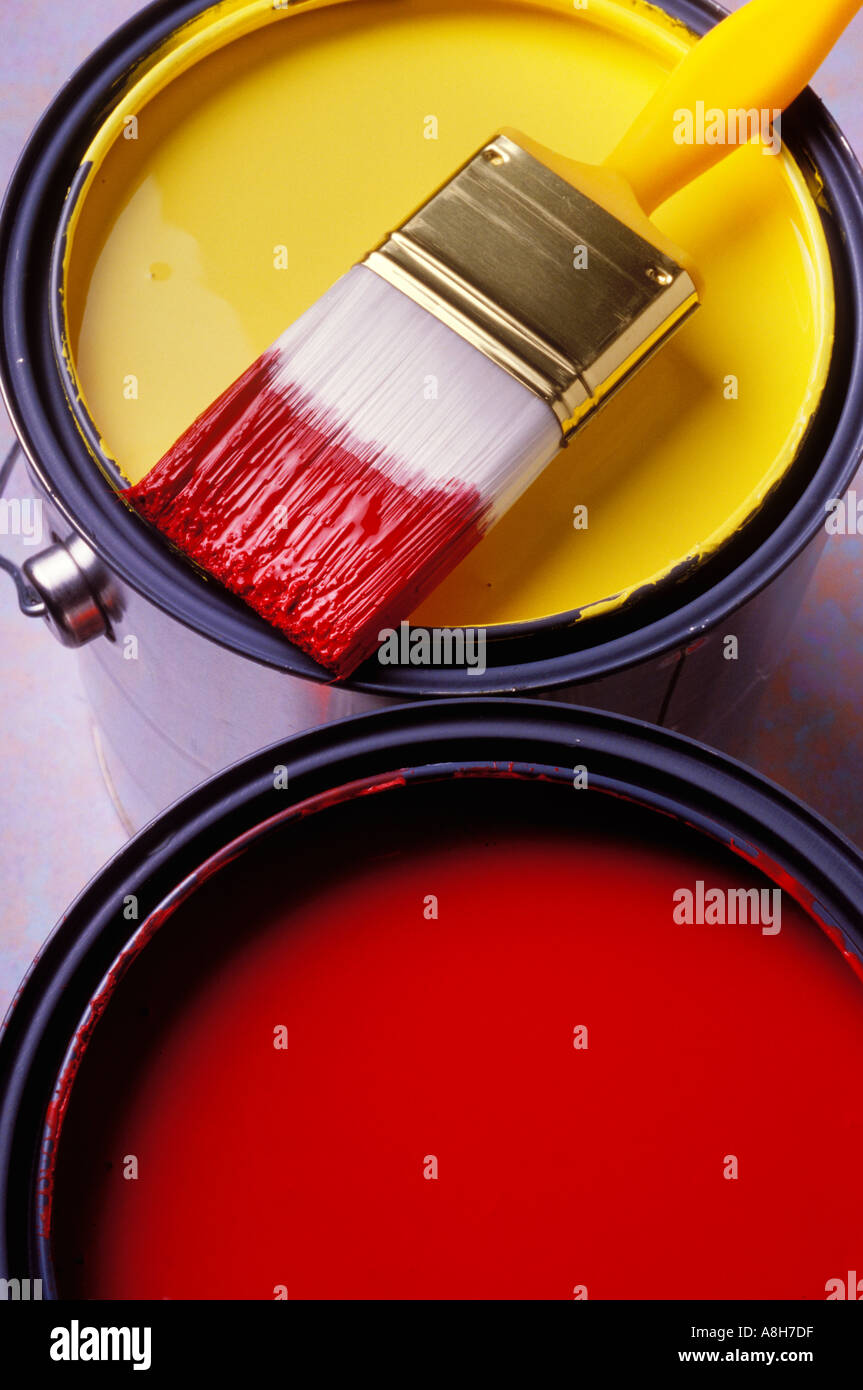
(761, 57)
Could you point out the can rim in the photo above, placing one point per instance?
(528, 657)
(663, 771)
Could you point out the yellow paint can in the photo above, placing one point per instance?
(262, 150)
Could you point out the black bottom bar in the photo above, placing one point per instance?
(59, 1340)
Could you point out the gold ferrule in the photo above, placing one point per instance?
(541, 279)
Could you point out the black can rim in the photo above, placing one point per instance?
(523, 657)
(662, 771)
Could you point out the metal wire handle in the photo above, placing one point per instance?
(31, 605)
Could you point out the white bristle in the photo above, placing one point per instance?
(380, 369)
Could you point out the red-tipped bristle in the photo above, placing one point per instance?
(324, 544)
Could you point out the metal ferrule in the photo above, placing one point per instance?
(541, 279)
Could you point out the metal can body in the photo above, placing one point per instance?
(396, 753)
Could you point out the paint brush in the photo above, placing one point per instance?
(360, 458)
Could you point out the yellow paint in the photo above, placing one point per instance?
(304, 129)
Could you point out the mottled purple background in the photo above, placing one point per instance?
(58, 824)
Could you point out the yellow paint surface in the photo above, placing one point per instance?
(305, 129)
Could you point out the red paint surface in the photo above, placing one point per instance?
(410, 1037)
(323, 544)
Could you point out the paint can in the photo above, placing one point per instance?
(552, 988)
(182, 680)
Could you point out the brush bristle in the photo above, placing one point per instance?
(353, 465)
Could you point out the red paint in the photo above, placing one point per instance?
(410, 1037)
(322, 543)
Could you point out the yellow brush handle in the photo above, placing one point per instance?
(759, 58)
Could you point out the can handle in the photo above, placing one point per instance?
(30, 602)
(64, 584)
